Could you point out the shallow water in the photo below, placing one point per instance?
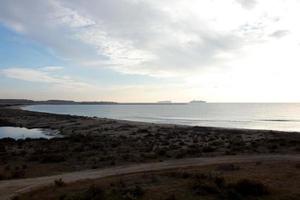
(22, 133)
(283, 117)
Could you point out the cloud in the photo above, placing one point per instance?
(151, 37)
(42, 76)
(52, 68)
(280, 33)
(139, 37)
(247, 4)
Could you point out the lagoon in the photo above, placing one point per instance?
(23, 133)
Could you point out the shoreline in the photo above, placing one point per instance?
(91, 143)
(131, 122)
(153, 123)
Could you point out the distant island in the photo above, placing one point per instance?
(52, 102)
(197, 101)
(164, 102)
(16, 102)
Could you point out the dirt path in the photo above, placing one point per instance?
(11, 187)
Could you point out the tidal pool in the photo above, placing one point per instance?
(22, 133)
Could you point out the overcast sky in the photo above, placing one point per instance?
(150, 50)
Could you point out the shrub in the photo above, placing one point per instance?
(59, 183)
(15, 198)
(220, 182)
(180, 174)
(232, 195)
(227, 167)
(250, 188)
(63, 197)
(204, 188)
(171, 197)
(17, 174)
(52, 158)
(93, 193)
(208, 149)
(161, 152)
(150, 155)
(137, 191)
(2, 148)
(143, 130)
(134, 192)
(112, 163)
(2, 177)
(7, 168)
(4, 122)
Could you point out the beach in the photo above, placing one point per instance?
(87, 147)
(90, 143)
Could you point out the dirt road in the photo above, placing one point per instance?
(12, 187)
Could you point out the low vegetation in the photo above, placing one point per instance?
(251, 181)
(104, 142)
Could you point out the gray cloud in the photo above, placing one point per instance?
(126, 35)
(247, 4)
(280, 33)
(37, 20)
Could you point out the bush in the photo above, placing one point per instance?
(220, 182)
(150, 155)
(217, 186)
(63, 197)
(208, 149)
(171, 197)
(52, 158)
(232, 195)
(15, 198)
(2, 177)
(227, 167)
(59, 183)
(4, 122)
(129, 193)
(137, 191)
(161, 151)
(250, 188)
(204, 188)
(93, 193)
(143, 130)
(2, 149)
(18, 174)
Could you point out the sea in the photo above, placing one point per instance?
(267, 116)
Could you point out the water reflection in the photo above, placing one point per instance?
(22, 133)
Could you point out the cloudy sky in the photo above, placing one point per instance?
(150, 50)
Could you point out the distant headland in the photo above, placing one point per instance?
(6, 102)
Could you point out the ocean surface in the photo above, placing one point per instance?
(283, 117)
(23, 133)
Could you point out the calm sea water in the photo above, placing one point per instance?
(22, 133)
(285, 117)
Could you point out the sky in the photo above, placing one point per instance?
(150, 50)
